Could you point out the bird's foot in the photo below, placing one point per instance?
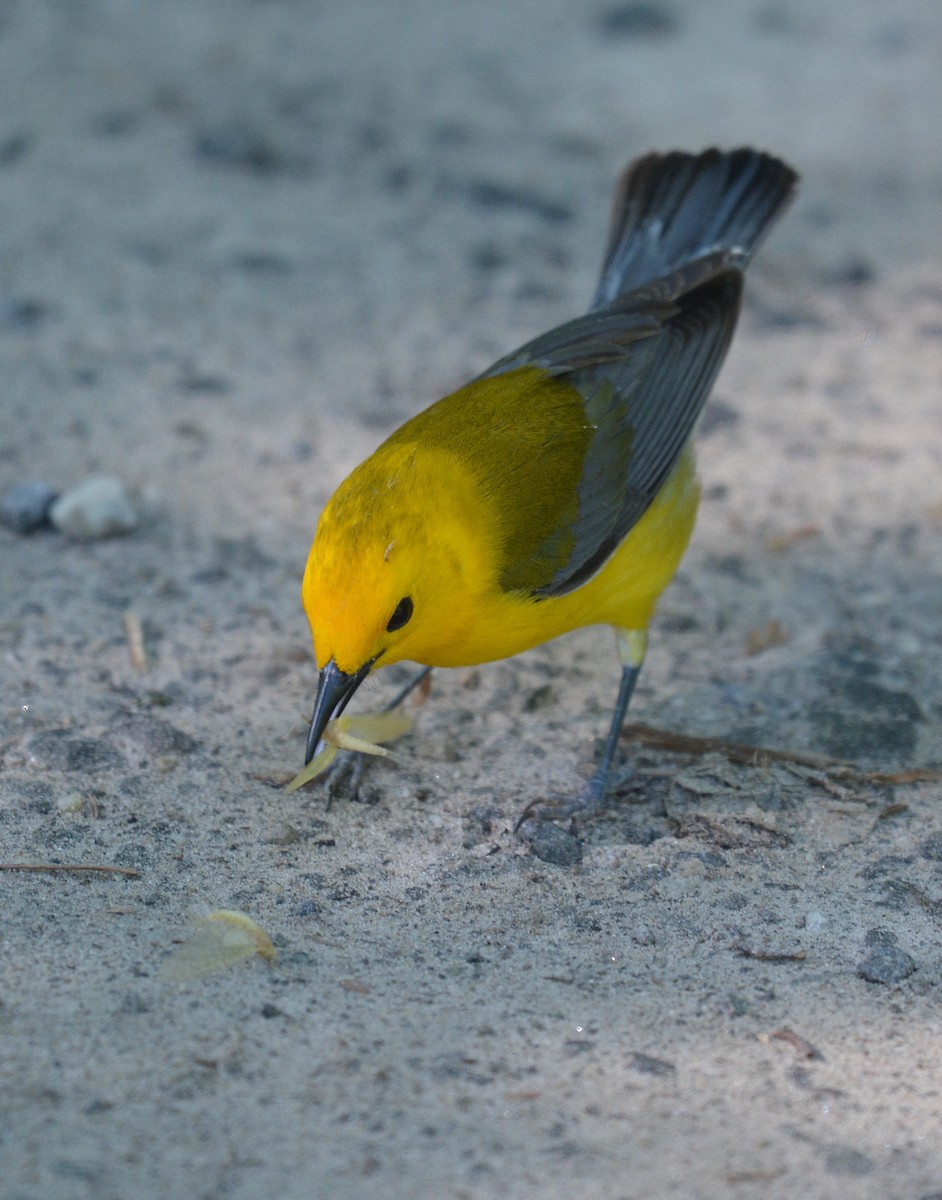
(344, 778)
(588, 801)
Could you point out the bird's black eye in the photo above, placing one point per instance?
(401, 616)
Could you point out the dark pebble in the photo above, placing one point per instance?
(886, 964)
(554, 845)
(25, 506)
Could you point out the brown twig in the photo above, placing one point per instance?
(737, 752)
(762, 756)
(769, 956)
(803, 1048)
(913, 775)
(92, 868)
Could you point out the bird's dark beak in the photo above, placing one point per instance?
(334, 691)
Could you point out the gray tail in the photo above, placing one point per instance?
(672, 208)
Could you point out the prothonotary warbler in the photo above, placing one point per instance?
(557, 489)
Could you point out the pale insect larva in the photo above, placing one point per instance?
(361, 733)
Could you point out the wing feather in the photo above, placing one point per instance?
(644, 368)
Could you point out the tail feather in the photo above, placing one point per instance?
(672, 208)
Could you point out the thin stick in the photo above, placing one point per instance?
(134, 628)
(769, 956)
(92, 868)
(803, 1048)
(737, 752)
(762, 756)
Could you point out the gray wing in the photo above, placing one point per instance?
(644, 367)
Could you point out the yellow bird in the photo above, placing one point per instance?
(557, 489)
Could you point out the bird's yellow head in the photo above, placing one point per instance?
(395, 563)
(394, 572)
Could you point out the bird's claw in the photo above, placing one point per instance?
(585, 803)
(344, 777)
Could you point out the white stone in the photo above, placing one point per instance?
(95, 508)
(816, 921)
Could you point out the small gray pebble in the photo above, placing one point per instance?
(886, 964)
(97, 507)
(556, 846)
(25, 506)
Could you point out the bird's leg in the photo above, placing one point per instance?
(416, 681)
(346, 772)
(632, 647)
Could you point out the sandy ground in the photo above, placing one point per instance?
(241, 240)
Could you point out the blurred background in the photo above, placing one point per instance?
(306, 211)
